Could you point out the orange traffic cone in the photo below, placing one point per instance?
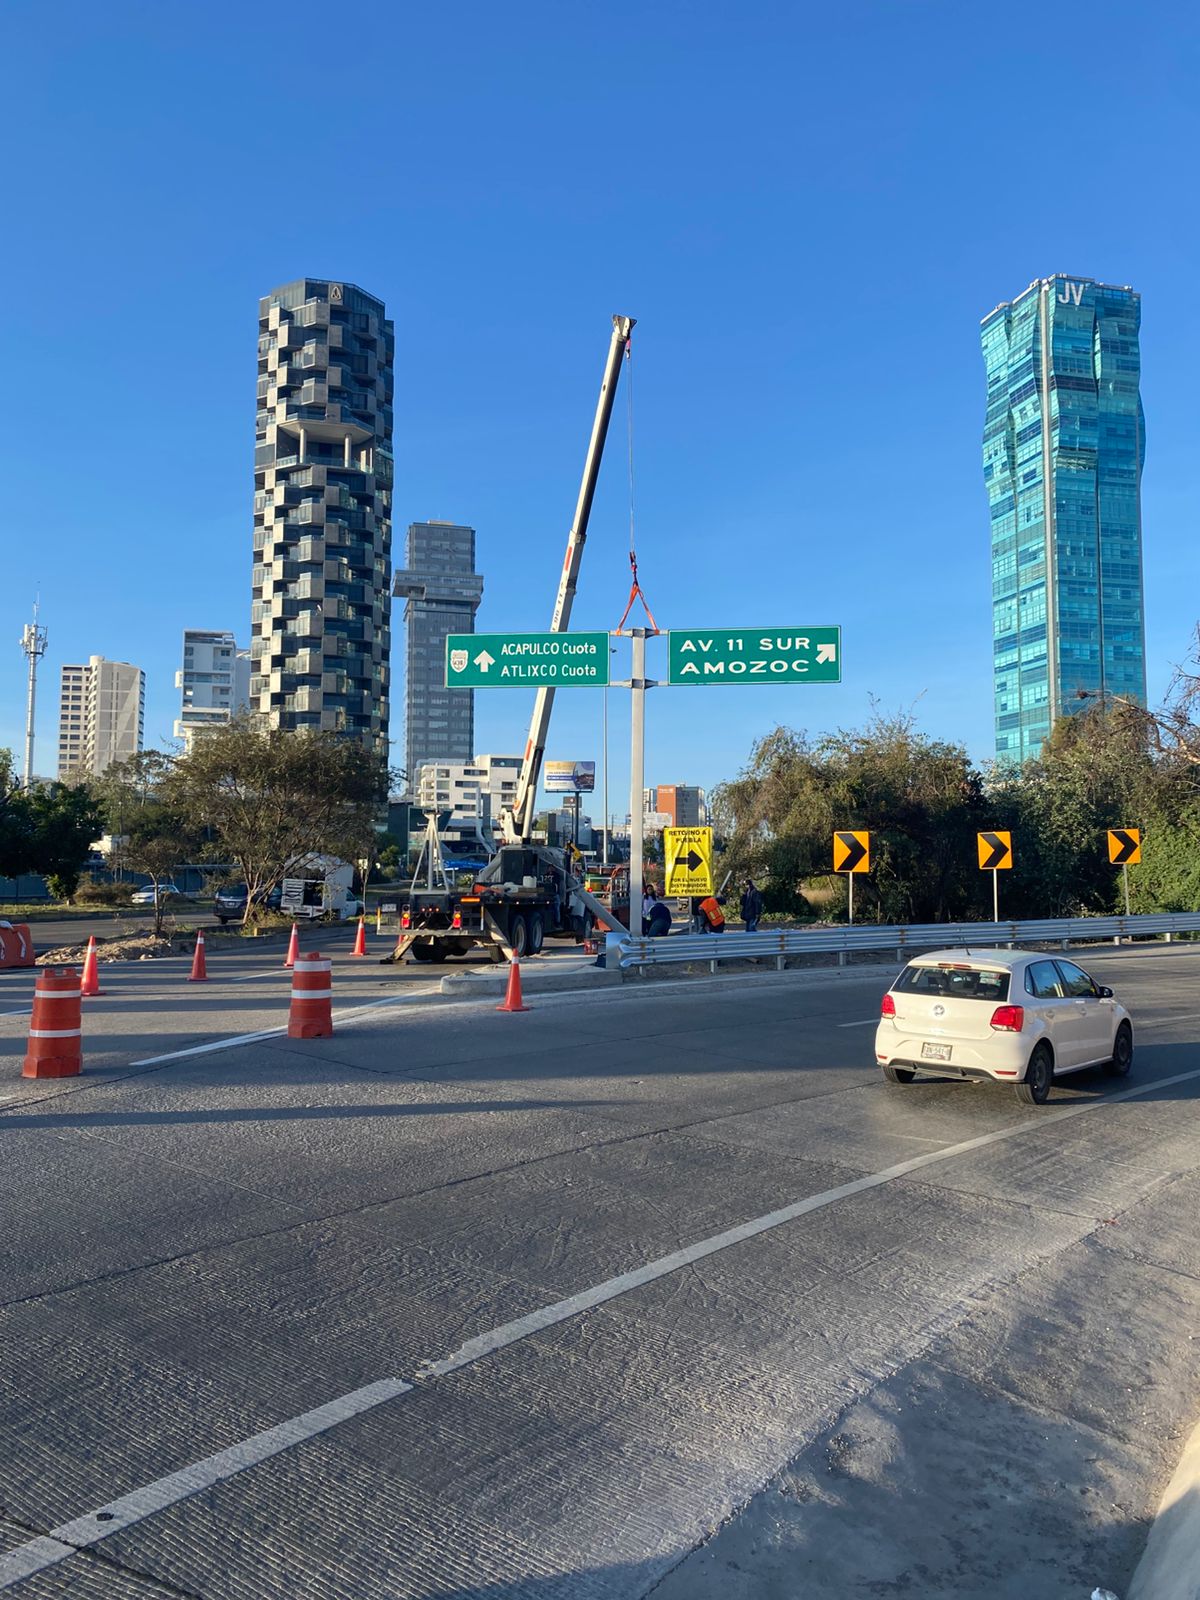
(55, 1048)
(512, 999)
(199, 970)
(293, 946)
(360, 938)
(90, 985)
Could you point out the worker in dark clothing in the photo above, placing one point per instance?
(657, 922)
(752, 906)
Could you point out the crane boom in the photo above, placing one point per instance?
(517, 824)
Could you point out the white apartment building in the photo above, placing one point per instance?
(101, 710)
(214, 682)
(477, 788)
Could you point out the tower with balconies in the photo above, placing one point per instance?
(323, 476)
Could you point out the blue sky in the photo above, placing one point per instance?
(807, 207)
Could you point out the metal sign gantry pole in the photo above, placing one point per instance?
(638, 684)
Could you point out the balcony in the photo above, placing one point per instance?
(312, 314)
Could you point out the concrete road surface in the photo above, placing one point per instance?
(657, 1290)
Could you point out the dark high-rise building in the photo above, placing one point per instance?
(323, 510)
(443, 592)
(1063, 448)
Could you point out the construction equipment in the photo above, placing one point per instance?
(527, 892)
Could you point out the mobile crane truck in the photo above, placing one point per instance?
(528, 892)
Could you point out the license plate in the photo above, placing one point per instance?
(935, 1052)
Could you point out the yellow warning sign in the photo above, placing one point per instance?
(1124, 846)
(852, 852)
(687, 854)
(995, 851)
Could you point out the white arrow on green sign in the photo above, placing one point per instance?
(518, 660)
(754, 655)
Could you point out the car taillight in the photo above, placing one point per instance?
(405, 920)
(887, 1007)
(1008, 1019)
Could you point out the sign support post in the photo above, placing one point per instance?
(637, 769)
(1125, 850)
(995, 895)
(850, 884)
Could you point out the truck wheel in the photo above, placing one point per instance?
(518, 936)
(537, 932)
(423, 951)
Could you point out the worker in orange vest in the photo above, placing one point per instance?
(712, 918)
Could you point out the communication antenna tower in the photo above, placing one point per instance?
(33, 643)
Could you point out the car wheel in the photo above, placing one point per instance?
(1122, 1056)
(898, 1074)
(1039, 1075)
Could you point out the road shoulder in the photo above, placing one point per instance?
(1025, 1453)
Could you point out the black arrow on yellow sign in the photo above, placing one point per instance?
(691, 861)
(851, 852)
(1124, 846)
(995, 851)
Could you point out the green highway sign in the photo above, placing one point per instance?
(518, 660)
(754, 655)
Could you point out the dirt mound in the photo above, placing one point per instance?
(134, 947)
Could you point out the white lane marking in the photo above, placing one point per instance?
(60, 1543)
(271, 1033)
(275, 972)
(24, 1012)
(869, 1023)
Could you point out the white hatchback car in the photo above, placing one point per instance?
(1015, 1016)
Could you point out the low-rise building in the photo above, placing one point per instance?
(477, 788)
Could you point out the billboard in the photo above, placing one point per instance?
(569, 777)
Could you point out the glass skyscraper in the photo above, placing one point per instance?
(1063, 449)
(443, 591)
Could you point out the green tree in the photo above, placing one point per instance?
(65, 821)
(154, 834)
(921, 800)
(16, 823)
(263, 797)
(1095, 772)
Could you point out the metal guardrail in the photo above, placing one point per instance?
(781, 943)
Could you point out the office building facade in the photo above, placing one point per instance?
(478, 788)
(442, 592)
(681, 803)
(1063, 450)
(101, 713)
(323, 474)
(214, 682)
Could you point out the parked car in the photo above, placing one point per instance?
(229, 904)
(1013, 1016)
(146, 895)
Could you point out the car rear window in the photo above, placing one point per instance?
(955, 982)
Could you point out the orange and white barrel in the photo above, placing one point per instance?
(311, 1013)
(55, 1048)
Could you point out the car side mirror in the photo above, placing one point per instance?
(1105, 994)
